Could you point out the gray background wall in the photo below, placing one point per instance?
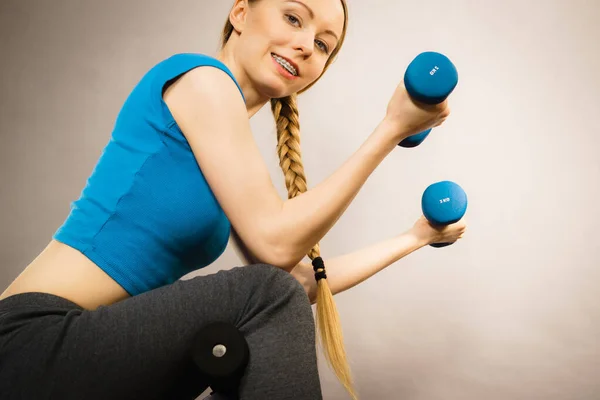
(512, 312)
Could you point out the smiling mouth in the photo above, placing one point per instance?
(285, 64)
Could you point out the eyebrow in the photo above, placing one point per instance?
(312, 16)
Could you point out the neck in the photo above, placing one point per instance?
(254, 100)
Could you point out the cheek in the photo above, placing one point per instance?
(315, 70)
(278, 36)
(273, 29)
(252, 48)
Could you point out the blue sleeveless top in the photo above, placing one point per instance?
(146, 215)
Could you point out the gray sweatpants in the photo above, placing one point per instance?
(139, 348)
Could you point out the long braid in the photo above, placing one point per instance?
(285, 112)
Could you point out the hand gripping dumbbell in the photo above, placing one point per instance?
(430, 78)
(221, 354)
(443, 203)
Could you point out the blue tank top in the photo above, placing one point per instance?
(146, 215)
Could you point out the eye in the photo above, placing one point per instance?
(323, 46)
(292, 20)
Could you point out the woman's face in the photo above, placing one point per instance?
(284, 44)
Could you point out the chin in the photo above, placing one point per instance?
(274, 89)
(272, 85)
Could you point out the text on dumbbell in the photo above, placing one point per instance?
(434, 70)
(447, 199)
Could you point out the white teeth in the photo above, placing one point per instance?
(285, 64)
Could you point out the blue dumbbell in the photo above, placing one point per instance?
(429, 79)
(444, 203)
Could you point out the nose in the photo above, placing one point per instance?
(304, 43)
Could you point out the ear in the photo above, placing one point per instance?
(238, 15)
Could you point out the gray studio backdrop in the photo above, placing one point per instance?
(512, 312)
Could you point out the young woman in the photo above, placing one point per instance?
(101, 312)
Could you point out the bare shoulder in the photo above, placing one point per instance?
(205, 88)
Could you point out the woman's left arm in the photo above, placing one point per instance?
(346, 271)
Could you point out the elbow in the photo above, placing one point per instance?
(278, 253)
(280, 256)
(263, 246)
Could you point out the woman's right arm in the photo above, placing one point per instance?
(209, 110)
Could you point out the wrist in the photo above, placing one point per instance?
(397, 128)
(418, 240)
(389, 132)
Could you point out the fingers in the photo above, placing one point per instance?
(446, 113)
(443, 107)
(457, 230)
(443, 112)
(440, 122)
(463, 228)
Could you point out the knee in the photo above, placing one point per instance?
(275, 278)
(275, 284)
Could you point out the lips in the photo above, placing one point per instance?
(293, 64)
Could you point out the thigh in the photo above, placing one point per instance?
(140, 347)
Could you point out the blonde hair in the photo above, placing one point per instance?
(285, 112)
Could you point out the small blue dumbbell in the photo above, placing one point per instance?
(429, 79)
(444, 203)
